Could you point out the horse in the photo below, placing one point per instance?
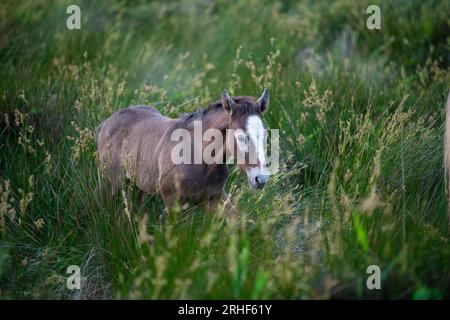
(137, 144)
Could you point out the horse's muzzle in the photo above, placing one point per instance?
(259, 181)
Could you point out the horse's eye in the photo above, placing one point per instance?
(242, 138)
(242, 141)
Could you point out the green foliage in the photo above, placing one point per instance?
(360, 114)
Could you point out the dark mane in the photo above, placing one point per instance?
(215, 106)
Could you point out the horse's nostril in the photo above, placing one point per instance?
(260, 181)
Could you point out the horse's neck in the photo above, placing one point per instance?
(218, 120)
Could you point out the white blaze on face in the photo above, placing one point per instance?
(253, 141)
(257, 135)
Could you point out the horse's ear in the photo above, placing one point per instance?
(263, 101)
(228, 103)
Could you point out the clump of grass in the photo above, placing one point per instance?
(360, 182)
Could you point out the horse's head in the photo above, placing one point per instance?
(248, 136)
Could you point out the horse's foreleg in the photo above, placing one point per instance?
(141, 197)
(211, 204)
(226, 200)
(228, 205)
(169, 198)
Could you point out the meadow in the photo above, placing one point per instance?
(360, 114)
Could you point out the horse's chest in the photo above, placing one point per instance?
(207, 180)
(215, 176)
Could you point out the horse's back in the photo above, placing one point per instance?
(144, 110)
(134, 114)
(122, 122)
(128, 135)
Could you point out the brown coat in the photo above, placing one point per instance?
(135, 143)
(148, 162)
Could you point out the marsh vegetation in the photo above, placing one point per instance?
(360, 114)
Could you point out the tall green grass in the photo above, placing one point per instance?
(360, 115)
